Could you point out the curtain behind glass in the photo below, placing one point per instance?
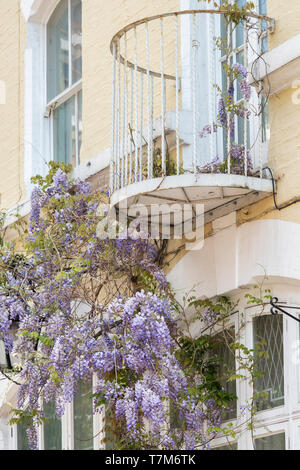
(83, 417)
(52, 430)
(58, 51)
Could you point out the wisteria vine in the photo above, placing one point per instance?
(89, 307)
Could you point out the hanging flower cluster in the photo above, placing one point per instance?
(89, 307)
(227, 111)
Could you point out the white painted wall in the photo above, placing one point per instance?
(239, 256)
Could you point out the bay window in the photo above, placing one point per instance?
(64, 73)
(269, 334)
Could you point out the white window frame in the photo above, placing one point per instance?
(72, 91)
(38, 131)
(272, 418)
(273, 429)
(67, 423)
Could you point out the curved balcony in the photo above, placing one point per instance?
(168, 145)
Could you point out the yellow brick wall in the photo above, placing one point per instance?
(283, 158)
(100, 23)
(12, 43)
(286, 14)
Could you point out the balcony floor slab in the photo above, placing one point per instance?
(220, 194)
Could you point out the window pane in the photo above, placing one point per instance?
(239, 60)
(274, 442)
(262, 7)
(228, 447)
(263, 11)
(23, 443)
(52, 430)
(110, 431)
(269, 329)
(58, 51)
(83, 417)
(76, 18)
(223, 35)
(79, 123)
(176, 421)
(226, 367)
(265, 120)
(240, 27)
(64, 131)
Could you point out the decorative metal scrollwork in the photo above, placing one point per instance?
(277, 307)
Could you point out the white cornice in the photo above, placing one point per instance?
(279, 67)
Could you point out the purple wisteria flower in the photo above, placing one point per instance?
(222, 113)
(125, 337)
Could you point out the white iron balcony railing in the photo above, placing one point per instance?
(172, 124)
